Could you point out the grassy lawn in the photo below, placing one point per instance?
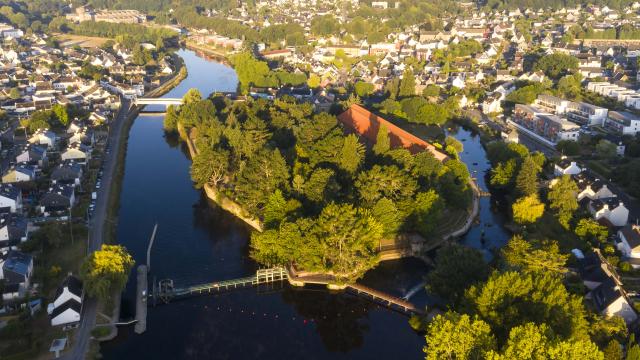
(69, 40)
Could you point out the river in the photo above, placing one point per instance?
(197, 242)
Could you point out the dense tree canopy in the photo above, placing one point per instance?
(316, 190)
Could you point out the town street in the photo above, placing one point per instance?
(82, 337)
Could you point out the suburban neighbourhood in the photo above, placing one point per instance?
(340, 149)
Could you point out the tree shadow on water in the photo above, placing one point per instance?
(341, 319)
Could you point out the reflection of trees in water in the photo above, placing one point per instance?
(339, 318)
(172, 139)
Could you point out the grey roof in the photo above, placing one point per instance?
(73, 284)
(605, 294)
(69, 304)
(67, 171)
(632, 236)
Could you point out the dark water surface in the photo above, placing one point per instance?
(196, 243)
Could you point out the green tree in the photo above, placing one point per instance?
(568, 147)
(557, 65)
(352, 154)
(210, 166)
(532, 341)
(606, 149)
(502, 175)
(534, 256)
(263, 173)
(349, 237)
(170, 122)
(607, 329)
(455, 336)
(192, 96)
(450, 141)
(562, 198)
(383, 143)
(613, 351)
(61, 114)
(321, 186)
(363, 89)
(407, 84)
(431, 91)
(275, 210)
(39, 120)
(314, 81)
(456, 268)
(590, 230)
(513, 298)
(527, 179)
(385, 181)
(388, 215)
(527, 210)
(426, 212)
(106, 271)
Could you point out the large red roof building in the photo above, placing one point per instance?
(366, 124)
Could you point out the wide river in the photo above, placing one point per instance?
(197, 243)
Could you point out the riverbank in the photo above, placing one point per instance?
(222, 200)
(132, 113)
(125, 116)
(216, 55)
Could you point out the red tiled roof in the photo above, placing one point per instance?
(366, 124)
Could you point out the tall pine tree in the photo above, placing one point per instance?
(383, 144)
(527, 179)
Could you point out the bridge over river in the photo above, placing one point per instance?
(164, 291)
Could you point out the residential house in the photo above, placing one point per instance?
(67, 173)
(77, 152)
(10, 198)
(67, 305)
(13, 231)
(566, 167)
(605, 292)
(19, 173)
(32, 154)
(43, 137)
(58, 200)
(17, 270)
(629, 244)
(611, 209)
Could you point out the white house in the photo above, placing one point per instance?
(77, 152)
(604, 285)
(67, 305)
(612, 209)
(10, 197)
(629, 243)
(566, 167)
(43, 137)
(19, 173)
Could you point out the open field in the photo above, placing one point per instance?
(67, 40)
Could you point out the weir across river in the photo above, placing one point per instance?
(164, 291)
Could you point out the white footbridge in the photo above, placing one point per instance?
(157, 101)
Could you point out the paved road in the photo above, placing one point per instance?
(96, 232)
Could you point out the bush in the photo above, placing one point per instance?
(625, 266)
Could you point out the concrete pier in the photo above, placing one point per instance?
(141, 300)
